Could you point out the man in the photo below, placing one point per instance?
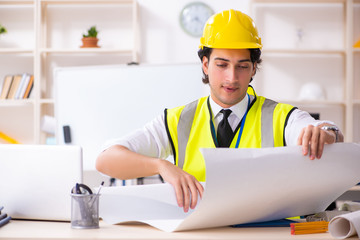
(232, 116)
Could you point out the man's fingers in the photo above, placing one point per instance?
(314, 144)
(196, 190)
(179, 195)
(200, 188)
(300, 138)
(191, 190)
(306, 139)
(194, 196)
(186, 192)
(322, 141)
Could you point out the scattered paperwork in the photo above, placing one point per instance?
(242, 186)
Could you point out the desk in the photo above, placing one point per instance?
(18, 229)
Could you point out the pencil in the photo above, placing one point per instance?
(7, 138)
(309, 227)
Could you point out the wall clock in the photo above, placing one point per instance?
(193, 18)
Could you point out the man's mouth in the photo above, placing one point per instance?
(230, 89)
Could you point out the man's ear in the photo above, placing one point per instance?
(205, 64)
(254, 70)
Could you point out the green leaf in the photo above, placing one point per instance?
(2, 29)
(92, 32)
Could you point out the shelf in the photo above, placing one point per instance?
(311, 41)
(293, 26)
(303, 51)
(40, 40)
(47, 101)
(15, 50)
(16, 102)
(86, 50)
(86, 1)
(15, 2)
(299, 1)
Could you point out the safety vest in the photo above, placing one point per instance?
(190, 127)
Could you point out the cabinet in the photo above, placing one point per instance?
(308, 57)
(45, 34)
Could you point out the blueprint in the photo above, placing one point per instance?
(242, 186)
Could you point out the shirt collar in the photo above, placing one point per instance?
(238, 109)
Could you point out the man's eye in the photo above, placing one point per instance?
(243, 67)
(221, 65)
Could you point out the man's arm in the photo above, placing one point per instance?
(119, 162)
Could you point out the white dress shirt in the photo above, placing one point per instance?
(152, 140)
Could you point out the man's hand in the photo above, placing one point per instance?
(314, 138)
(186, 186)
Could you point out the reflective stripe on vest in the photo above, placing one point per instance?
(184, 128)
(267, 111)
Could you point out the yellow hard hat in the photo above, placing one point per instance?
(230, 29)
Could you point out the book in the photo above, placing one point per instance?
(6, 86)
(22, 86)
(29, 87)
(14, 86)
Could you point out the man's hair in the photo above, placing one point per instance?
(255, 55)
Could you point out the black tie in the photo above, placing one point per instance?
(224, 131)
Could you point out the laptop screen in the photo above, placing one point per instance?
(36, 180)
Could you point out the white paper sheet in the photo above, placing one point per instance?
(345, 225)
(242, 186)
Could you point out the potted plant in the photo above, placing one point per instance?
(2, 29)
(90, 39)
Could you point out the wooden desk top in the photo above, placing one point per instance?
(19, 229)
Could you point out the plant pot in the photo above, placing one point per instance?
(89, 42)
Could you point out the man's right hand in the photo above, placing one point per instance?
(119, 162)
(187, 187)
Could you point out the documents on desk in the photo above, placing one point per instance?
(345, 225)
(242, 186)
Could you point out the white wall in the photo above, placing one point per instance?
(163, 40)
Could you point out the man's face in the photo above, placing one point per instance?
(230, 72)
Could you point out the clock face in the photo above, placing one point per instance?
(193, 18)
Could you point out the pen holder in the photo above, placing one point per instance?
(85, 210)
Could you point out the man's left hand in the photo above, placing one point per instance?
(313, 138)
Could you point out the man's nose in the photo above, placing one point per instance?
(231, 75)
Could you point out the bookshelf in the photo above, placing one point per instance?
(312, 42)
(45, 34)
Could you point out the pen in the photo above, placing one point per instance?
(102, 184)
(2, 216)
(4, 221)
(97, 194)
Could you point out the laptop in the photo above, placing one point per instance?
(36, 180)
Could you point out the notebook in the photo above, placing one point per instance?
(36, 180)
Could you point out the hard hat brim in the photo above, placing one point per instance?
(242, 45)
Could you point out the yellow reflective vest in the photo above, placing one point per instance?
(190, 127)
